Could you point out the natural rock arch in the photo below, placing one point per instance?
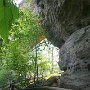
(66, 25)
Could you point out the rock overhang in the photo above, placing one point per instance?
(61, 18)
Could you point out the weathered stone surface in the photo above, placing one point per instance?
(75, 60)
(66, 24)
(61, 18)
(46, 88)
(53, 81)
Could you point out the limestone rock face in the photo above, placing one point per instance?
(75, 60)
(66, 25)
(61, 18)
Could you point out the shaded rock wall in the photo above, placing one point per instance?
(63, 17)
(75, 60)
(66, 25)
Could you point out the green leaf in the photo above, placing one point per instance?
(8, 13)
(4, 29)
(15, 11)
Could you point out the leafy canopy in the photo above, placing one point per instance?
(8, 13)
(17, 56)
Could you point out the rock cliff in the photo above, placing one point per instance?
(66, 25)
(63, 17)
(75, 60)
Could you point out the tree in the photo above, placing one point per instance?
(17, 55)
(21, 55)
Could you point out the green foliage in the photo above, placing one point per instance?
(8, 13)
(28, 0)
(18, 56)
(5, 77)
(22, 55)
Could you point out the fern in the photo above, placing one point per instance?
(8, 13)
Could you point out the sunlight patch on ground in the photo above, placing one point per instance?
(51, 75)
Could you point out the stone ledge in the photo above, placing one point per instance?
(46, 88)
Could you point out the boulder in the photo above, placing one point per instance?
(75, 60)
